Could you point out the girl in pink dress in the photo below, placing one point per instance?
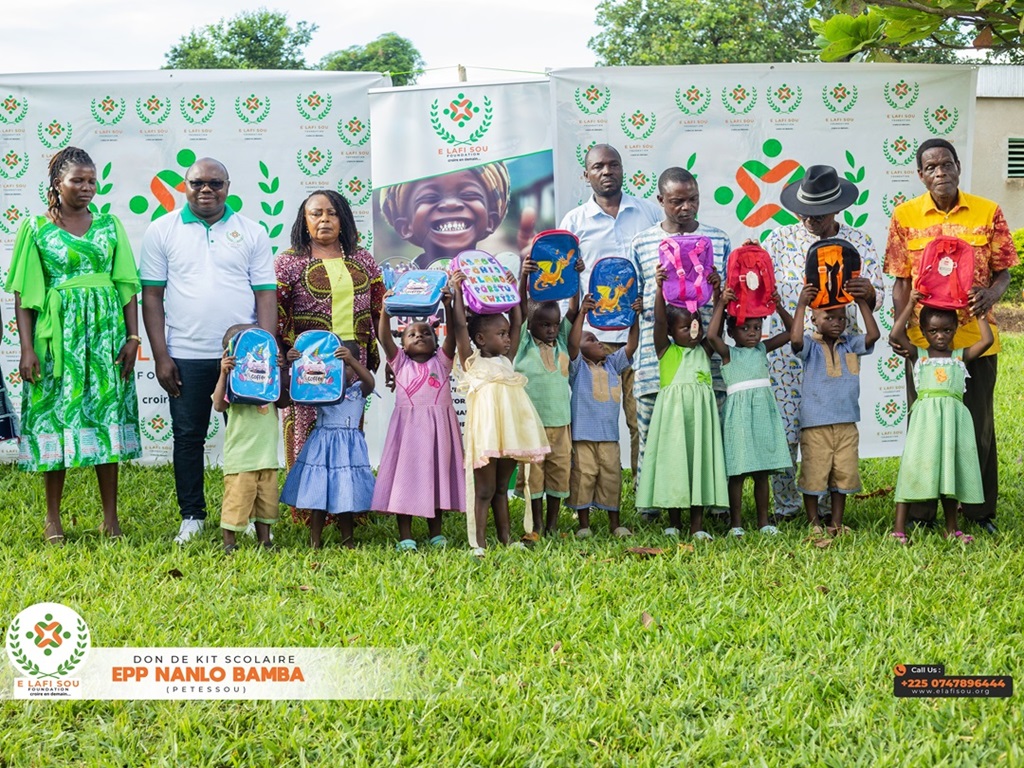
(421, 471)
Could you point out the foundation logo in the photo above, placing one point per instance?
(891, 368)
(899, 151)
(784, 99)
(365, 239)
(581, 153)
(641, 184)
(739, 100)
(941, 121)
(168, 189)
(157, 429)
(14, 377)
(252, 109)
(312, 106)
(761, 185)
(10, 219)
(198, 110)
(154, 110)
(107, 111)
(887, 317)
(13, 166)
(839, 98)
(593, 101)
(214, 428)
(461, 113)
(55, 136)
(901, 95)
(889, 203)
(13, 109)
(891, 413)
(357, 191)
(314, 162)
(693, 101)
(639, 126)
(9, 334)
(354, 132)
(47, 641)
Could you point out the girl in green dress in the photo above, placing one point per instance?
(940, 455)
(75, 281)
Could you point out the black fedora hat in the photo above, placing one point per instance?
(819, 192)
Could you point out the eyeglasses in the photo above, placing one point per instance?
(215, 184)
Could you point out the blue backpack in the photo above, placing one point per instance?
(556, 252)
(256, 379)
(318, 377)
(417, 293)
(613, 286)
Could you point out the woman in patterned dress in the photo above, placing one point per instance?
(75, 283)
(325, 281)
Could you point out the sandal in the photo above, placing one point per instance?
(737, 532)
(901, 538)
(768, 530)
(583, 533)
(406, 545)
(703, 536)
(672, 532)
(531, 538)
(478, 552)
(56, 539)
(438, 542)
(622, 532)
(960, 536)
(833, 531)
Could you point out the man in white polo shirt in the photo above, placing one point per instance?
(605, 225)
(203, 270)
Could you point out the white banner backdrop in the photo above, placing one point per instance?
(280, 134)
(745, 130)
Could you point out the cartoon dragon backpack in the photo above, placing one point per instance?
(318, 377)
(946, 273)
(689, 261)
(751, 276)
(556, 252)
(256, 379)
(831, 264)
(613, 286)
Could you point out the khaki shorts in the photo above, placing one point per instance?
(550, 475)
(249, 496)
(828, 459)
(596, 476)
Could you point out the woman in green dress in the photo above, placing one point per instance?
(74, 280)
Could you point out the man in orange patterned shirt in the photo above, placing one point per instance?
(945, 210)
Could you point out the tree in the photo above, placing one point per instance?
(390, 53)
(259, 39)
(938, 30)
(637, 32)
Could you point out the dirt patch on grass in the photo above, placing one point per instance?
(1010, 317)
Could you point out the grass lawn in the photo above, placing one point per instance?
(760, 652)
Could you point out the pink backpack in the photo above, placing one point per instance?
(486, 290)
(946, 273)
(689, 261)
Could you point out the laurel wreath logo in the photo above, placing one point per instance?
(354, 127)
(9, 332)
(891, 368)
(905, 150)
(889, 203)
(902, 95)
(887, 317)
(784, 100)
(638, 120)
(365, 240)
(13, 166)
(319, 106)
(31, 668)
(11, 219)
(734, 100)
(214, 427)
(257, 108)
(581, 153)
(56, 135)
(935, 120)
(461, 112)
(156, 429)
(13, 110)
(310, 160)
(891, 413)
(856, 176)
(112, 111)
(593, 101)
(201, 109)
(834, 98)
(693, 101)
(358, 191)
(159, 110)
(641, 184)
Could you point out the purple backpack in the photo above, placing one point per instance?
(689, 261)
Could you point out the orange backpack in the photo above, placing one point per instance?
(946, 273)
(751, 276)
(831, 263)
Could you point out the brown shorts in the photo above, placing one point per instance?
(828, 459)
(596, 476)
(249, 496)
(550, 475)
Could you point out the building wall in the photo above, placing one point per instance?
(997, 120)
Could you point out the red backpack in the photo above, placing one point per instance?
(946, 273)
(750, 274)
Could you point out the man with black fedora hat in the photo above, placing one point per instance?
(814, 200)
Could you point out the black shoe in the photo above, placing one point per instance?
(987, 525)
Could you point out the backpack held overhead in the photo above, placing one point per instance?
(256, 379)
(946, 273)
(416, 293)
(613, 286)
(318, 377)
(689, 261)
(556, 252)
(485, 289)
(750, 274)
(831, 264)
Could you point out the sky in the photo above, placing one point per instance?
(528, 35)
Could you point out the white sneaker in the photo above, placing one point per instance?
(189, 528)
(250, 530)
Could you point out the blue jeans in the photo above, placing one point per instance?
(190, 421)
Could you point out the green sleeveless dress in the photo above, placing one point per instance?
(755, 438)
